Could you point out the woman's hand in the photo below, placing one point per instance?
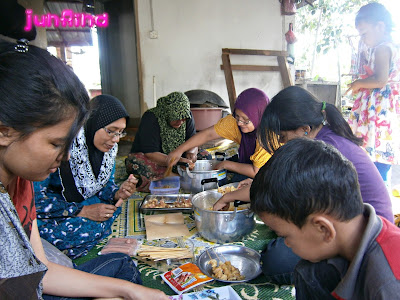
(246, 182)
(127, 188)
(99, 212)
(242, 194)
(191, 156)
(222, 165)
(223, 203)
(188, 161)
(173, 157)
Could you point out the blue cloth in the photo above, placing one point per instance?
(281, 273)
(57, 220)
(386, 172)
(116, 265)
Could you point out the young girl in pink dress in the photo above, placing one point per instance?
(376, 110)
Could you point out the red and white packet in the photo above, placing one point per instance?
(185, 277)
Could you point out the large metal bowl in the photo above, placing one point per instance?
(221, 226)
(245, 259)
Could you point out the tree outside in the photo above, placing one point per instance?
(326, 34)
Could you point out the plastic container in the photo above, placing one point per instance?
(168, 185)
(205, 117)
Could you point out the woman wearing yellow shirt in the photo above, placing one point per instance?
(241, 127)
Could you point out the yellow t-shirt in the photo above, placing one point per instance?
(227, 128)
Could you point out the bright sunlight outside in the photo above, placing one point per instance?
(335, 63)
(85, 62)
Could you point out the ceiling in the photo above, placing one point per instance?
(68, 36)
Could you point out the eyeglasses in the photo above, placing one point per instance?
(246, 122)
(115, 133)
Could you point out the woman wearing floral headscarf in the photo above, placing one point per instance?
(161, 130)
(241, 127)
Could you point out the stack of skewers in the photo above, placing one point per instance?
(161, 253)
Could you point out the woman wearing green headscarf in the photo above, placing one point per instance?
(162, 129)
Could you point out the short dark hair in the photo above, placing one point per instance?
(294, 107)
(375, 12)
(303, 177)
(38, 90)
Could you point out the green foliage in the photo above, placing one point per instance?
(333, 19)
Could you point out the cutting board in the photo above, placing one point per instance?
(165, 226)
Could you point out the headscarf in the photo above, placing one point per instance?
(251, 102)
(89, 169)
(175, 106)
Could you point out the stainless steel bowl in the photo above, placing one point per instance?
(221, 226)
(245, 259)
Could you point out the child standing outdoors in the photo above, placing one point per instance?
(374, 115)
(314, 202)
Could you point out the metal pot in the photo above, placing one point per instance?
(221, 226)
(203, 169)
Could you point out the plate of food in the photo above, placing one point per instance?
(227, 188)
(230, 263)
(167, 203)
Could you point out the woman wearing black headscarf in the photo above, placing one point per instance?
(77, 204)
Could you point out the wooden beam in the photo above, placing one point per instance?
(254, 52)
(284, 68)
(253, 68)
(230, 84)
(227, 67)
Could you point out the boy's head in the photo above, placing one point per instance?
(304, 188)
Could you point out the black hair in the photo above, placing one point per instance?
(294, 107)
(375, 12)
(303, 177)
(38, 90)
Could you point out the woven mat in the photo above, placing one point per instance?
(131, 224)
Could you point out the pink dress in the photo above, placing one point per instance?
(375, 115)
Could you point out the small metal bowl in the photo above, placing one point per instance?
(245, 259)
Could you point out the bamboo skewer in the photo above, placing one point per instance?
(161, 253)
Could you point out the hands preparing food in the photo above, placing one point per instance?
(128, 187)
(241, 193)
(99, 212)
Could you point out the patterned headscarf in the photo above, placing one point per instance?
(89, 169)
(251, 102)
(175, 106)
